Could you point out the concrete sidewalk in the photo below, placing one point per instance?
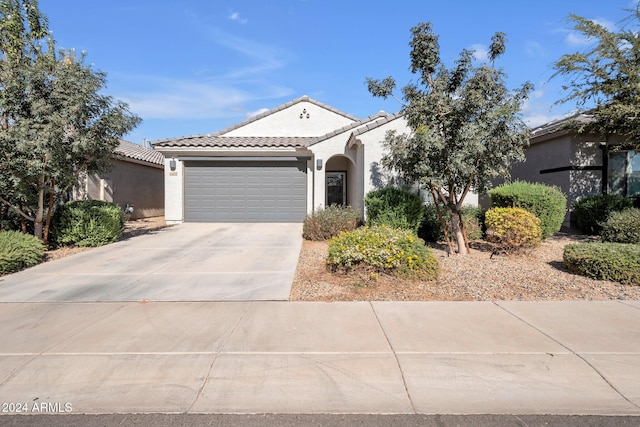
(286, 357)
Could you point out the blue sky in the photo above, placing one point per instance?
(193, 67)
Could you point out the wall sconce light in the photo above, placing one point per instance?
(319, 164)
(172, 164)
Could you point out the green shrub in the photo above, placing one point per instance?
(18, 251)
(617, 262)
(394, 207)
(622, 227)
(87, 223)
(326, 223)
(431, 231)
(546, 202)
(592, 211)
(513, 229)
(385, 249)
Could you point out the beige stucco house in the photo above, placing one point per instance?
(580, 165)
(276, 167)
(136, 178)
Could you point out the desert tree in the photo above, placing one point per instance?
(605, 78)
(466, 128)
(55, 124)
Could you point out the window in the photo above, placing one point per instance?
(624, 173)
(336, 188)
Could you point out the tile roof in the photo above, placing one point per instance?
(235, 141)
(282, 107)
(559, 125)
(221, 141)
(376, 121)
(138, 152)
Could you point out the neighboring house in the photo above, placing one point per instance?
(580, 165)
(136, 179)
(276, 167)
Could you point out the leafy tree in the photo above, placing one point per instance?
(466, 128)
(607, 75)
(54, 123)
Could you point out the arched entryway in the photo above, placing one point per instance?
(340, 174)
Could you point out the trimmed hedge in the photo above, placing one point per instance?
(394, 207)
(622, 227)
(87, 223)
(326, 223)
(617, 262)
(19, 251)
(593, 211)
(384, 249)
(546, 202)
(513, 229)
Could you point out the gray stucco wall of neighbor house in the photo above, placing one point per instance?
(564, 161)
(130, 183)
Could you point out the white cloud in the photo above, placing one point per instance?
(577, 39)
(535, 49)
(265, 57)
(154, 97)
(480, 52)
(537, 110)
(235, 16)
(251, 114)
(229, 92)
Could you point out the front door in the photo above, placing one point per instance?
(336, 188)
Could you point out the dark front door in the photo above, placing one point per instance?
(336, 188)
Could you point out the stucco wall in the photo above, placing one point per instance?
(564, 160)
(315, 121)
(173, 191)
(130, 183)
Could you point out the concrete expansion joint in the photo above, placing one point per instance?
(395, 356)
(215, 358)
(305, 353)
(626, 304)
(590, 365)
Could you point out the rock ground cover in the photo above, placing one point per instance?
(538, 275)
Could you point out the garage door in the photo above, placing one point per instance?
(245, 191)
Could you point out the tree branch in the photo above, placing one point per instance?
(16, 209)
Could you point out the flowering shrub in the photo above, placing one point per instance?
(385, 249)
(513, 229)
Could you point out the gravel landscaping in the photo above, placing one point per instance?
(537, 276)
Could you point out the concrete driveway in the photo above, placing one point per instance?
(186, 262)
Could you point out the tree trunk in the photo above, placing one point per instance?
(37, 226)
(463, 228)
(455, 225)
(443, 224)
(23, 223)
(52, 196)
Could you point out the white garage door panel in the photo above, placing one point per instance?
(245, 191)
